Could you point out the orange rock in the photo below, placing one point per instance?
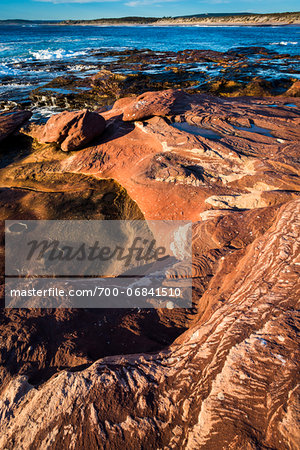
(230, 378)
(153, 104)
(294, 90)
(72, 130)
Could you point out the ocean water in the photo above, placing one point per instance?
(44, 42)
(27, 52)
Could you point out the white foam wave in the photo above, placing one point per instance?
(55, 54)
(4, 48)
(81, 67)
(284, 43)
(6, 70)
(44, 112)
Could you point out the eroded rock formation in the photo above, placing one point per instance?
(223, 374)
(72, 130)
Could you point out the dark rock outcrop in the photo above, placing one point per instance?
(153, 104)
(251, 71)
(11, 121)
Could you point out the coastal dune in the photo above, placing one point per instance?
(288, 18)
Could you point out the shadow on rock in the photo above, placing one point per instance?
(14, 149)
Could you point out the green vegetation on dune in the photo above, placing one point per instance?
(216, 18)
(240, 18)
(131, 20)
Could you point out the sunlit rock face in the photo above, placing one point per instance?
(222, 374)
(72, 130)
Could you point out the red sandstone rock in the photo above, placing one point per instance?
(182, 173)
(230, 379)
(152, 104)
(12, 121)
(72, 130)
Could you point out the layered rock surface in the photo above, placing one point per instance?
(228, 382)
(220, 375)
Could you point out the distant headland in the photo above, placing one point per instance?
(221, 19)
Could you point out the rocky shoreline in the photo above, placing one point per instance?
(221, 151)
(246, 71)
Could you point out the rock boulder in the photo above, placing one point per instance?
(12, 121)
(72, 130)
(152, 104)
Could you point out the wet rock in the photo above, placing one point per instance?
(108, 83)
(12, 121)
(72, 130)
(114, 74)
(64, 92)
(259, 87)
(252, 87)
(105, 87)
(111, 85)
(187, 56)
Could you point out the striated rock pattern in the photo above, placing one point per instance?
(221, 375)
(228, 382)
(247, 162)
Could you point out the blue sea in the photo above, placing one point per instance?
(27, 52)
(51, 42)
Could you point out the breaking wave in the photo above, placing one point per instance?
(55, 54)
(284, 43)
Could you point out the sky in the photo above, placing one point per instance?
(93, 9)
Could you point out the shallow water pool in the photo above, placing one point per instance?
(197, 131)
(254, 129)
